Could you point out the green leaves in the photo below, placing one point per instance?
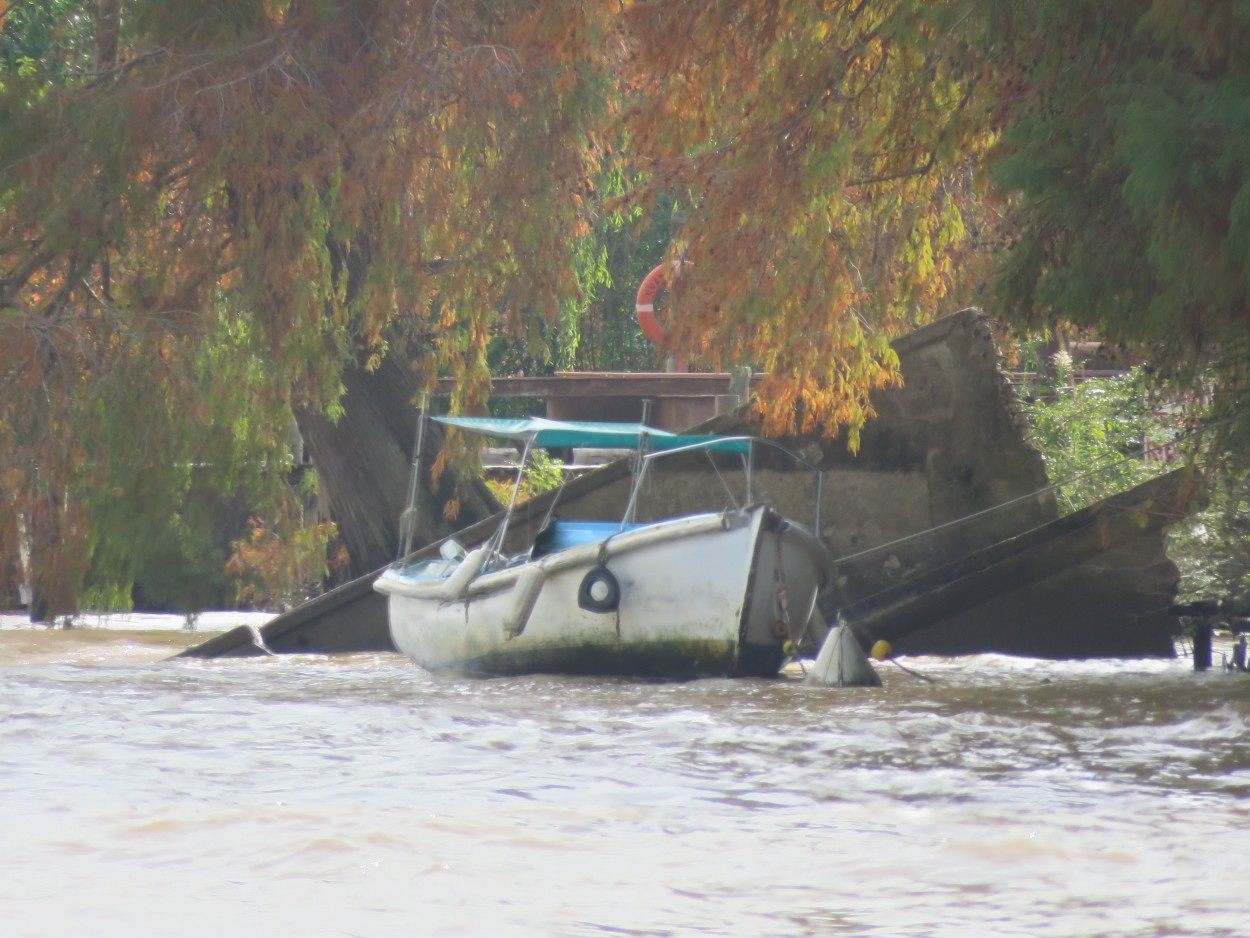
(240, 211)
(1094, 435)
(1126, 126)
(223, 208)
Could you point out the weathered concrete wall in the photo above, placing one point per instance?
(932, 476)
(943, 471)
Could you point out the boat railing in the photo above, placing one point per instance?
(744, 445)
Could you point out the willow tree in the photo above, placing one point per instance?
(228, 209)
(1125, 128)
(223, 209)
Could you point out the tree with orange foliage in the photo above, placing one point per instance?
(224, 210)
(230, 208)
(826, 150)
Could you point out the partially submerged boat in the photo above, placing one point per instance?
(729, 591)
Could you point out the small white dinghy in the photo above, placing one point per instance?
(711, 593)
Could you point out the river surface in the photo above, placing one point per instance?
(357, 795)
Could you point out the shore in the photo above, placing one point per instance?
(206, 623)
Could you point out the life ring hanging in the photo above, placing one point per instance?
(645, 305)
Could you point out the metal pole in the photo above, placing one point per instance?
(408, 521)
(497, 541)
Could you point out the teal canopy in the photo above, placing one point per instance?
(559, 434)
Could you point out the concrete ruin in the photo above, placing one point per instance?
(944, 474)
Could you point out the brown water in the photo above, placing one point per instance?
(360, 796)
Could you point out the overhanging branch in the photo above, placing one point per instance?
(892, 177)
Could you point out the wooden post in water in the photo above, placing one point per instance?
(1202, 645)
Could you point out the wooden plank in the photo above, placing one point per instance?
(607, 384)
(351, 617)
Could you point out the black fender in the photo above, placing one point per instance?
(600, 591)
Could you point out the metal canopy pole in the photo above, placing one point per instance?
(408, 521)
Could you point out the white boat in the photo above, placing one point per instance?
(728, 592)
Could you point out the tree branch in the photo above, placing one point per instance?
(902, 174)
(124, 67)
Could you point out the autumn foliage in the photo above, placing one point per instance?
(210, 211)
(826, 149)
(208, 218)
(276, 573)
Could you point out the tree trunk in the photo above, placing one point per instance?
(58, 555)
(108, 16)
(363, 464)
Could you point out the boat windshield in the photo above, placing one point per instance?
(542, 433)
(749, 470)
(571, 434)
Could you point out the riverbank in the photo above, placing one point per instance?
(206, 623)
(132, 637)
(171, 631)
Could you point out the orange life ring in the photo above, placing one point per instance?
(645, 305)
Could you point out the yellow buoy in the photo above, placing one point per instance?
(881, 649)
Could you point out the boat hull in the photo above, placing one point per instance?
(709, 595)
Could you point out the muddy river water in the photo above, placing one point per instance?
(359, 796)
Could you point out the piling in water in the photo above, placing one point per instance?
(1202, 645)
